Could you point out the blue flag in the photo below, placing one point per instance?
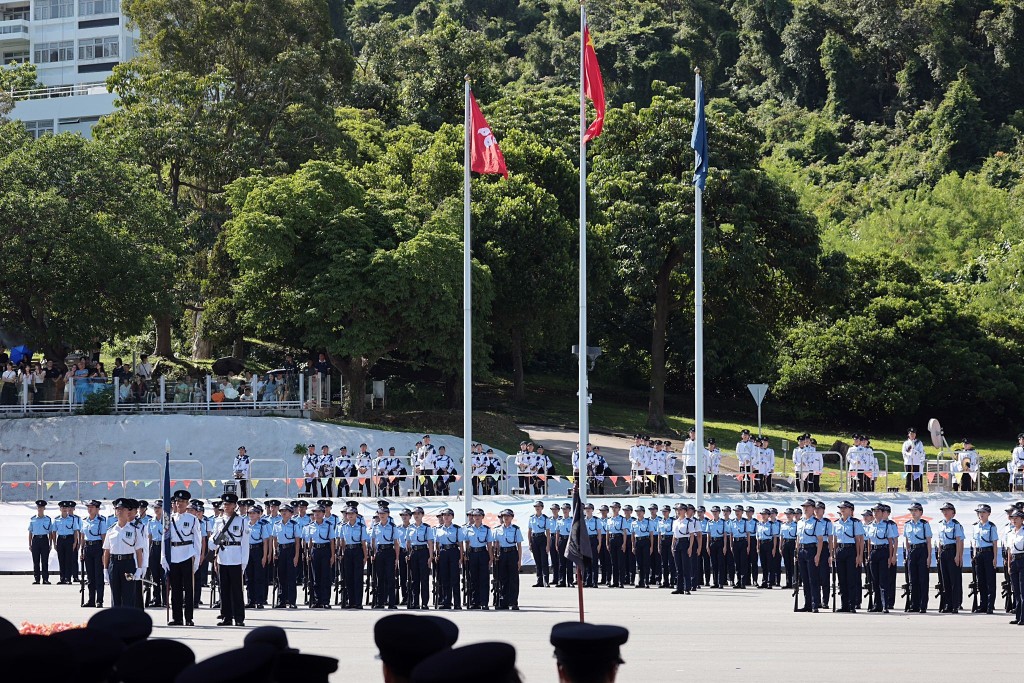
(167, 504)
(699, 139)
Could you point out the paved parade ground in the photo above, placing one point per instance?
(727, 635)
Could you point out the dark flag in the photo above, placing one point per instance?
(578, 549)
(699, 139)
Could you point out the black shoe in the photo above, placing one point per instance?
(514, 608)
(485, 607)
(677, 592)
(281, 606)
(815, 610)
(538, 585)
(89, 604)
(250, 605)
(174, 622)
(393, 607)
(189, 622)
(1015, 622)
(36, 582)
(225, 622)
(260, 606)
(990, 611)
(46, 583)
(802, 609)
(99, 604)
(293, 606)
(239, 623)
(327, 607)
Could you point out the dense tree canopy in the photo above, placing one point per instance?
(863, 218)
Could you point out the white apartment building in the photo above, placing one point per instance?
(75, 45)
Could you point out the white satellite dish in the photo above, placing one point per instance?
(935, 430)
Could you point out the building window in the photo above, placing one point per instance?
(98, 48)
(87, 8)
(37, 128)
(54, 9)
(11, 57)
(64, 51)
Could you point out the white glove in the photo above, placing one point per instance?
(195, 564)
(140, 573)
(163, 563)
(106, 575)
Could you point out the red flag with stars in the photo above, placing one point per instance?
(593, 85)
(485, 154)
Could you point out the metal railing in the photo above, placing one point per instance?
(24, 484)
(73, 90)
(255, 481)
(44, 480)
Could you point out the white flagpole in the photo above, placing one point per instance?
(467, 324)
(698, 326)
(584, 435)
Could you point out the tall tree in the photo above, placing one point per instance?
(90, 244)
(760, 249)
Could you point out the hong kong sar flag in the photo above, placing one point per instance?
(485, 155)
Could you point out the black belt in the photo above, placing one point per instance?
(509, 550)
(450, 546)
(92, 543)
(1016, 554)
(153, 543)
(122, 557)
(851, 543)
(418, 547)
(180, 544)
(285, 545)
(951, 546)
(478, 550)
(386, 548)
(317, 546)
(40, 535)
(983, 550)
(535, 534)
(257, 543)
(230, 543)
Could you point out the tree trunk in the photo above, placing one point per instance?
(453, 391)
(163, 336)
(202, 348)
(356, 388)
(238, 348)
(518, 374)
(662, 304)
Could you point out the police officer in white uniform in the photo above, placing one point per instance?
(745, 451)
(186, 544)
(240, 471)
(913, 460)
(123, 556)
(229, 532)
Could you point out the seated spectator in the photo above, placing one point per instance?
(99, 371)
(124, 392)
(181, 391)
(120, 372)
(144, 369)
(246, 393)
(139, 389)
(229, 390)
(270, 388)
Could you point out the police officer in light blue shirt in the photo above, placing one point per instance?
(949, 535)
(40, 536)
(94, 528)
(385, 539)
(286, 538)
(640, 531)
(260, 562)
(849, 548)
(539, 527)
(740, 537)
(767, 547)
(68, 527)
(420, 546)
(917, 549)
(508, 542)
(566, 571)
(321, 534)
(881, 535)
(155, 531)
(984, 541)
(667, 571)
(787, 538)
(810, 536)
(595, 533)
(354, 556)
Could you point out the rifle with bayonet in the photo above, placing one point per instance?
(974, 582)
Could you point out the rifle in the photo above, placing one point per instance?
(939, 593)
(834, 573)
(274, 598)
(81, 576)
(340, 595)
(906, 578)
(435, 583)
(495, 591)
(869, 587)
(465, 580)
(214, 583)
(796, 581)
(1007, 586)
(974, 582)
(371, 590)
(307, 574)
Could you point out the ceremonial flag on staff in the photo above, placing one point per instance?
(699, 139)
(483, 155)
(486, 156)
(578, 549)
(167, 523)
(593, 85)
